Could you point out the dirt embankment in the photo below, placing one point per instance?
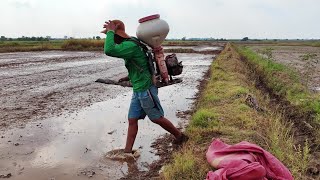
(305, 126)
(234, 108)
(293, 56)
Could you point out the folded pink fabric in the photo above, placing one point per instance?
(244, 161)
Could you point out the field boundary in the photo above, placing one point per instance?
(292, 98)
(233, 109)
(95, 45)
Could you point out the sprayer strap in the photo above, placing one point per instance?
(138, 67)
(139, 43)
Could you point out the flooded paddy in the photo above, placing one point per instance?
(57, 123)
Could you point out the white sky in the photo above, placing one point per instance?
(190, 18)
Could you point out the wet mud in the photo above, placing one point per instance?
(58, 123)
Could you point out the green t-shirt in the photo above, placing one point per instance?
(140, 76)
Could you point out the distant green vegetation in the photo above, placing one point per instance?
(16, 46)
(31, 44)
(72, 44)
(185, 43)
(314, 43)
(79, 44)
(89, 45)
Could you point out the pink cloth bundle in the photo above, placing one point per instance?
(244, 161)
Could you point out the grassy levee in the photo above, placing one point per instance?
(313, 43)
(85, 44)
(23, 46)
(92, 45)
(97, 45)
(222, 112)
(286, 85)
(65, 45)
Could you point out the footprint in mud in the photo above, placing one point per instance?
(15, 169)
(5, 175)
(86, 172)
(128, 159)
(120, 155)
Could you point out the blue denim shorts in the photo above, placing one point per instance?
(146, 103)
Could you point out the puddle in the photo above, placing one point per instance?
(72, 146)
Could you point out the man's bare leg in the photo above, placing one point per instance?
(168, 126)
(132, 133)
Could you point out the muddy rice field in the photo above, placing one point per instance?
(56, 122)
(292, 56)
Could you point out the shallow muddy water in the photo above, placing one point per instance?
(79, 120)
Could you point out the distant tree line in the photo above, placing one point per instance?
(47, 38)
(207, 39)
(23, 38)
(96, 37)
(197, 39)
(245, 39)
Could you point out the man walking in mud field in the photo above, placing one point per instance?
(145, 101)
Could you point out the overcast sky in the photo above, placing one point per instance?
(190, 18)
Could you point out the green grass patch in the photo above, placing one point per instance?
(315, 44)
(83, 44)
(222, 112)
(21, 46)
(297, 158)
(204, 118)
(185, 166)
(72, 44)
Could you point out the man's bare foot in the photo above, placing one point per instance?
(181, 140)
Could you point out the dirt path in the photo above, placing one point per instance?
(48, 129)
